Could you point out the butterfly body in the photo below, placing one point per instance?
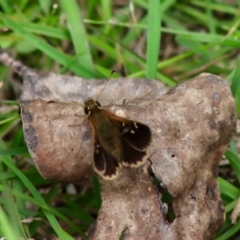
(117, 141)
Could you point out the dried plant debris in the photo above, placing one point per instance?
(191, 127)
(236, 212)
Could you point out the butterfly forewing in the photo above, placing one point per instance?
(135, 133)
(132, 157)
(135, 139)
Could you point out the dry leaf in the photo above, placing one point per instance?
(191, 125)
(236, 212)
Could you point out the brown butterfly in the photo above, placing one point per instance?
(117, 141)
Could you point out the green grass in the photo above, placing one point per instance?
(167, 40)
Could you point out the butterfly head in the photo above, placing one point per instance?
(91, 105)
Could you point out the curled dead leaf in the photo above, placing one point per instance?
(191, 125)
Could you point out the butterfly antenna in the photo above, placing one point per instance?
(112, 72)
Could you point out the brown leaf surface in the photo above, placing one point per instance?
(191, 126)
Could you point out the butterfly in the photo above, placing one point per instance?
(117, 141)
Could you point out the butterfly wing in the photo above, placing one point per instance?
(135, 133)
(136, 137)
(104, 163)
(128, 147)
(132, 157)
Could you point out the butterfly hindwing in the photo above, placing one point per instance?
(105, 164)
(98, 159)
(112, 166)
